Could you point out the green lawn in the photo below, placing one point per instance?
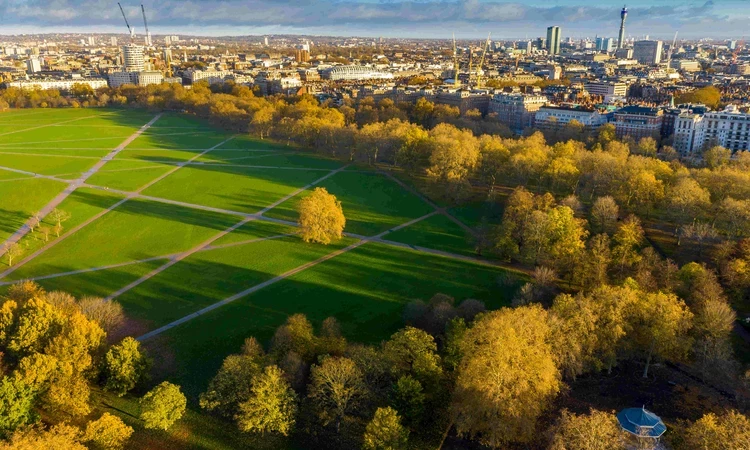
(255, 229)
(135, 230)
(82, 204)
(6, 175)
(365, 289)
(47, 165)
(210, 276)
(437, 232)
(20, 199)
(474, 214)
(372, 203)
(129, 180)
(234, 188)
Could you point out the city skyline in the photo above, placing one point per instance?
(388, 18)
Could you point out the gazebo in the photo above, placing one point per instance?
(641, 423)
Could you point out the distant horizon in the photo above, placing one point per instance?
(408, 19)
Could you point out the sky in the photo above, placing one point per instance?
(387, 18)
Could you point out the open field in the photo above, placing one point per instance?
(192, 231)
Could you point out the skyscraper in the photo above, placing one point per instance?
(647, 52)
(621, 37)
(132, 58)
(553, 40)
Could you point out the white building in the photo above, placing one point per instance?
(728, 128)
(33, 65)
(146, 78)
(647, 52)
(550, 116)
(356, 73)
(63, 84)
(113, 41)
(212, 76)
(517, 111)
(607, 89)
(117, 79)
(686, 65)
(132, 58)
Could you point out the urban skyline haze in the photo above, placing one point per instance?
(387, 18)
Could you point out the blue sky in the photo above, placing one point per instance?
(388, 18)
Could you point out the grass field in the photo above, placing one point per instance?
(365, 287)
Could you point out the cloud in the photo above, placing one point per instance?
(367, 15)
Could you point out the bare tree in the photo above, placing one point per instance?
(59, 216)
(12, 251)
(44, 230)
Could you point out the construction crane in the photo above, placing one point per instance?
(671, 51)
(145, 25)
(480, 71)
(455, 62)
(737, 49)
(130, 30)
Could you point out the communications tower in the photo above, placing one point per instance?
(621, 39)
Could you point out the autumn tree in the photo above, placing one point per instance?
(17, 399)
(597, 430)
(336, 387)
(59, 216)
(124, 366)
(730, 430)
(271, 406)
(108, 432)
(321, 218)
(231, 386)
(162, 406)
(604, 213)
(107, 313)
(412, 351)
(495, 398)
(385, 432)
(12, 251)
(58, 437)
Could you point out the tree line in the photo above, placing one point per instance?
(53, 349)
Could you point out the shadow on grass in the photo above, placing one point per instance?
(11, 221)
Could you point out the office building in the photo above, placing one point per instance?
(605, 44)
(91, 41)
(265, 41)
(132, 58)
(167, 55)
(302, 53)
(621, 36)
(113, 41)
(638, 122)
(553, 40)
(607, 90)
(355, 73)
(541, 43)
(517, 111)
(556, 117)
(685, 65)
(33, 65)
(647, 52)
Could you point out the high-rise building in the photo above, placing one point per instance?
(33, 65)
(265, 41)
(302, 53)
(167, 40)
(732, 45)
(113, 41)
(541, 43)
(647, 52)
(92, 41)
(605, 44)
(553, 40)
(621, 36)
(167, 54)
(132, 58)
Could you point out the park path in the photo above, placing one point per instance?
(218, 236)
(129, 196)
(48, 125)
(278, 278)
(59, 198)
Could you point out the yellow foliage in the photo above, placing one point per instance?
(321, 218)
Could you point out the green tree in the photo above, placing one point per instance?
(124, 366)
(385, 432)
(272, 405)
(496, 399)
(408, 397)
(413, 351)
(162, 406)
(108, 432)
(231, 386)
(716, 156)
(17, 401)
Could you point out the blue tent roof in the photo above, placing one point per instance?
(641, 422)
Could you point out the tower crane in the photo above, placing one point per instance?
(671, 51)
(145, 24)
(737, 49)
(480, 71)
(130, 30)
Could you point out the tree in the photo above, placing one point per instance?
(124, 366)
(495, 398)
(45, 231)
(730, 430)
(412, 351)
(108, 432)
(16, 404)
(336, 386)
(296, 335)
(59, 216)
(162, 406)
(107, 313)
(604, 214)
(272, 405)
(321, 218)
(455, 153)
(647, 146)
(59, 437)
(628, 237)
(712, 327)
(658, 326)
(597, 430)
(231, 386)
(385, 432)
(12, 251)
(716, 156)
